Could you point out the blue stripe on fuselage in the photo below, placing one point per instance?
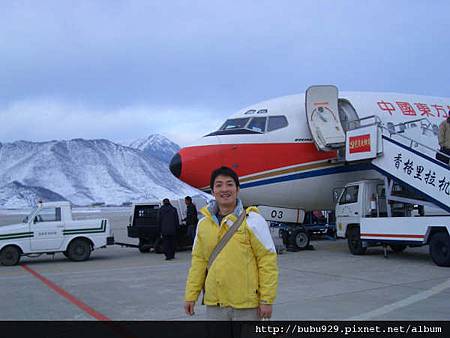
(308, 174)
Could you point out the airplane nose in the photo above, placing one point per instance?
(175, 165)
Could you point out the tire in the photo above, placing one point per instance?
(354, 241)
(144, 246)
(440, 249)
(10, 255)
(397, 248)
(300, 239)
(79, 250)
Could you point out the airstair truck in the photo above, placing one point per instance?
(406, 177)
(391, 211)
(49, 229)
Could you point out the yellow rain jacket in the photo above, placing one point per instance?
(245, 273)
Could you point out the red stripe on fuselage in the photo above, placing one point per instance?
(246, 159)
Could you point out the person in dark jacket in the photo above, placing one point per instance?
(191, 217)
(444, 140)
(168, 223)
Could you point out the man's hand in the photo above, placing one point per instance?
(189, 308)
(265, 311)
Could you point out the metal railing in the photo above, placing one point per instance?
(391, 129)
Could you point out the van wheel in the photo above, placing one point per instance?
(397, 248)
(10, 255)
(300, 239)
(144, 246)
(79, 250)
(354, 241)
(440, 249)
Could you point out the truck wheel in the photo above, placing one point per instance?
(440, 249)
(10, 255)
(144, 246)
(397, 248)
(300, 239)
(354, 241)
(79, 250)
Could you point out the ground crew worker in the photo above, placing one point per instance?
(242, 282)
(168, 223)
(191, 217)
(444, 138)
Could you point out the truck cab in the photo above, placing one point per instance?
(358, 199)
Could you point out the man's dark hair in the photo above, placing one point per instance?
(188, 198)
(224, 171)
(166, 201)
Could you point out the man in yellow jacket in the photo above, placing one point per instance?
(242, 282)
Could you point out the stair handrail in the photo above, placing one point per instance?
(413, 143)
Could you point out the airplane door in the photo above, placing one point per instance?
(323, 117)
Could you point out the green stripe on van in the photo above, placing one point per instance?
(102, 228)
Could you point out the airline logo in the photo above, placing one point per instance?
(359, 144)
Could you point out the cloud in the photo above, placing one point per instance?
(46, 119)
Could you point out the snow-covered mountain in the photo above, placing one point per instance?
(17, 195)
(84, 172)
(157, 146)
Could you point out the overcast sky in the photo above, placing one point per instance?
(122, 70)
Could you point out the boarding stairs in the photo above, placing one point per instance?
(401, 159)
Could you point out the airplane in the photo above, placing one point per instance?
(287, 151)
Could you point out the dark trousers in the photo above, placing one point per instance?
(169, 245)
(443, 158)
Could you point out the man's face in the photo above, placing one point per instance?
(225, 191)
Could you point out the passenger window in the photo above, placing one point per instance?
(350, 195)
(48, 215)
(277, 122)
(258, 124)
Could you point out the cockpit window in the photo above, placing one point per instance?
(234, 124)
(257, 124)
(277, 122)
(254, 125)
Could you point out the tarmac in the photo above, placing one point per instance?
(120, 283)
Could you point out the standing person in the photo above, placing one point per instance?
(191, 216)
(242, 281)
(168, 223)
(444, 138)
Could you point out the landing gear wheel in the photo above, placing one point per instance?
(301, 239)
(397, 248)
(354, 241)
(79, 250)
(144, 246)
(10, 255)
(440, 249)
